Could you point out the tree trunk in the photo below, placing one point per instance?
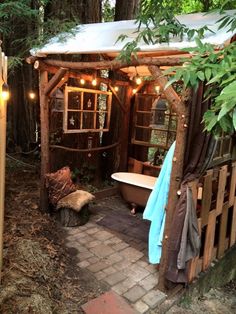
(126, 10)
(87, 11)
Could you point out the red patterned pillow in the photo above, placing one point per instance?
(59, 184)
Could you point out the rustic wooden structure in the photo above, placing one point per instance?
(220, 211)
(3, 117)
(217, 218)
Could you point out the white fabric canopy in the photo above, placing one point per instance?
(102, 37)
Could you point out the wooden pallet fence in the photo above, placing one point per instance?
(215, 199)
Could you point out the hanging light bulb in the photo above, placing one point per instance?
(157, 89)
(94, 82)
(32, 95)
(134, 91)
(116, 88)
(82, 81)
(5, 92)
(138, 80)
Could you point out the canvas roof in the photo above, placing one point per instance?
(102, 37)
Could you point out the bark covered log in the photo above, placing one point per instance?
(175, 182)
(113, 64)
(169, 92)
(71, 218)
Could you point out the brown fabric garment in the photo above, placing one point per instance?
(190, 239)
(59, 184)
(195, 160)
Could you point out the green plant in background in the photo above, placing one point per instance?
(216, 69)
(84, 174)
(13, 27)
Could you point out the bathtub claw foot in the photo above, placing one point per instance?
(133, 210)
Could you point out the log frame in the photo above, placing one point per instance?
(113, 64)
(54, 81)
(178, 105)
(44, 120)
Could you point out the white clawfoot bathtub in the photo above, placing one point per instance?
(135, 188)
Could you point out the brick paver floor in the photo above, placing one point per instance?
(116, 260)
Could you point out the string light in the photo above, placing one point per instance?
(134, 91)
(32, 95)
(82, 81)
(116, 88)
(94, 82)
(138, 80)
(5, 92)
(157, 89)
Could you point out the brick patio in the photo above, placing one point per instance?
(116, 259)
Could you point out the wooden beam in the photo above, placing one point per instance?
(114, 64)
(117, 98)
(125, 131)
(75, 74)
(3, 123)
(52, 84)
(44, 120)
(175, 181)
(169, 92)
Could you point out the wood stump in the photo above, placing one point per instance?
(68, 217)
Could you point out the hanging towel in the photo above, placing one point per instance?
(155, 208)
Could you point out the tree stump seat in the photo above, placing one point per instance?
(73, 209)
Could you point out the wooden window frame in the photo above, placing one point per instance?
(135, 126)
(82, 110)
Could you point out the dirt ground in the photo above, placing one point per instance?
(40, 274)
(216, 301)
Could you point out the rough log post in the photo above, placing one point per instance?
(3, 120)
(113, 64)
(125, 131)
(176, 178)
(170, 94)
(182, 109)
(44, 119)
(52, 84)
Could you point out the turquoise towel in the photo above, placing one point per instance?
(155, 208)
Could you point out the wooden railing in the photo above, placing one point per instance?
(215, 200)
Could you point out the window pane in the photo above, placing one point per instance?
(74, 100)
(143, 119)
(88, 120)
(73, 121)
(158, 137)
(89, 101)
(142, 134)
(226, 146)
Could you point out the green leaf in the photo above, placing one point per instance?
(211, 124)
(200, 75)
(226, 107)
(170, 82)
(208, 74)
(193, 78)
(225, 124)
(186, 77)
(234, 119)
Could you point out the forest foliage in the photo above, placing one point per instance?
(216, 69)
(29, 23)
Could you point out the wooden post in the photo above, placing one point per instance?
(175, 181)
(180, 106)
(44, 123)
(125, 131)
(3, 117)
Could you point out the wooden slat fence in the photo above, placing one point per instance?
(215, 199)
